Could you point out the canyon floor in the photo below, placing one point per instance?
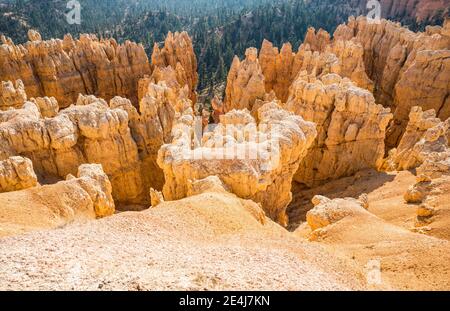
(216, 241)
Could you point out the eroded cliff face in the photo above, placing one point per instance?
(12, 95)
(178, 53)
(425, 141)
(317, 56)
(57, 146)
(409, 69)
(351, 127)
(77, 125)
(16, 173)
(65, 68)
(245, 83)
(255, 161)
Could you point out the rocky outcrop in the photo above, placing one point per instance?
(16, 173)
(277, 70)
(245, 83)
(178, 53)
(350, 54)
(57, 146)
(327, 212)
(77, 199)
(409, 69)
(160, 108)
(218, 109)
(48, 106)
(319, 40)
(351, 127)
(65, 68)
(425, 140)
(96, 183)
(255, 161)
(12, 95)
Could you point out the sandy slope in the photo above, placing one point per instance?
(211, 241)
(408, 260)
(217, 241)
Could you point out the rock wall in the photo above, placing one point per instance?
(57, 146)
(12, 95)
(65, 68)
(245, 82)
(409, 69)
(317, 56)
(17, 173)
(351, 127)
(425, 140)
(178, 53)
(255, 161)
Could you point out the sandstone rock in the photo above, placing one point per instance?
(16, 173)
(425, 139)
(84, 100)
(12, 95)
(48, 106)
(208, 184)
(425, 211)
(351, 127)
(28, 110)
(280, 69)
(33, 35)
(255, 161)
(415, 194)
(245, 83)
(409, 69)
(76, 199)
(350, 54)
(80, 134)
(65, 68)
(178, 53)
(327, 212)
(218, 109)
(96, 183)
(319, 40)
(156, 197)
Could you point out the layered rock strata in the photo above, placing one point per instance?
(351, 127)
(425, 140)
(57, 146)
(17, 173)
(409, 69)
(65, 68)
(178, 53)
(255, 161)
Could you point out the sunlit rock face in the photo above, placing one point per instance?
(425, 142)
(57, 146)
(254, 160)
(16, 173)
(63, 69)
(178, 53)
(351, 127)
(245, 83)
(409, 69)
(12, 95)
